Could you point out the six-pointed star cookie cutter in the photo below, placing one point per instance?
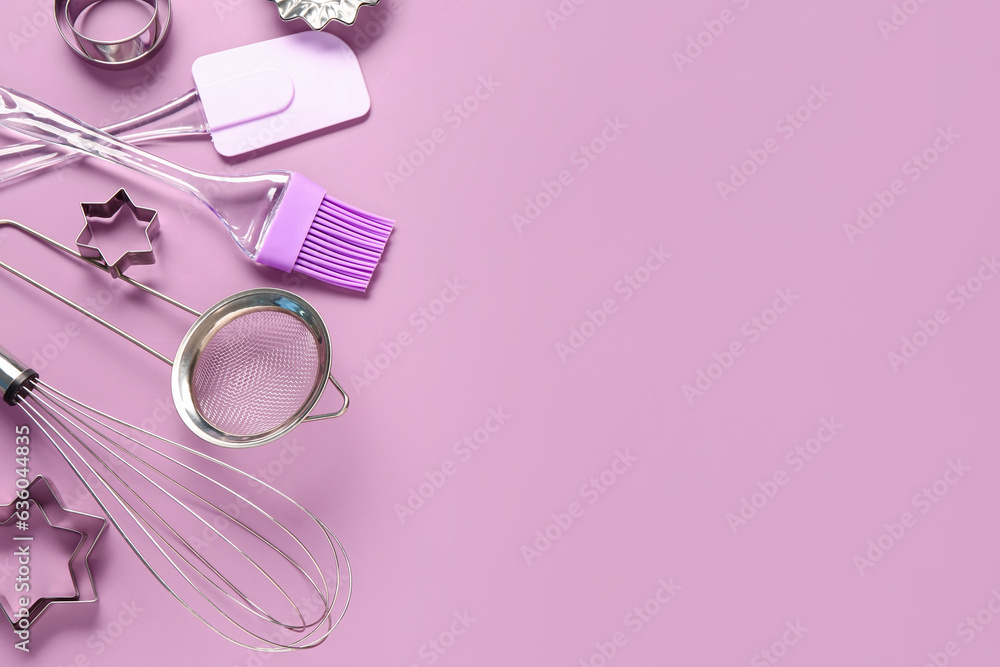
(40, 493)
(103, 212)
(87, 526)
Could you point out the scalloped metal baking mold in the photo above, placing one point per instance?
(319, 13)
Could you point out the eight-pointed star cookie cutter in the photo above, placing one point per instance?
(89, 528)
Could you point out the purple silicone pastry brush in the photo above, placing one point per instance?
(278, 218)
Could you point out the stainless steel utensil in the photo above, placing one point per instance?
(319, 13)
(263, 573)
(115, 54)
(249, 370)
(88, 527)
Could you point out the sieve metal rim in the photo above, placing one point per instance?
(214, 319)
(280, 299)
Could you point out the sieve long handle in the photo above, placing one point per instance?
(97, 264)
(83, 311)
(331, 415)
(72, 304)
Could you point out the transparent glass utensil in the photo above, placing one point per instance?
(182, 117)
(244, 204)
(278, 218)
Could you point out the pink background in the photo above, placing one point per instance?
(794, 563)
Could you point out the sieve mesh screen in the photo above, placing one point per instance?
(256, 373)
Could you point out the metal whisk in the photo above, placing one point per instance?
(265, 573)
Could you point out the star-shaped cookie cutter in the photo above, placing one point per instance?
(87, 526)
(105, 211)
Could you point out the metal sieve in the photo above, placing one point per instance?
(250, 369)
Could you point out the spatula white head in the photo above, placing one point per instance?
(270, 92)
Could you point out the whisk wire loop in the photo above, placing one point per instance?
(78, 429)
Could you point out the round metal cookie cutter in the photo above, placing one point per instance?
(113, 54)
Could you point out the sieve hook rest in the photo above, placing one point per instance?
(338, 413)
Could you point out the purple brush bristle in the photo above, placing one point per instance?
(283, 219)
(324, 238)
(344, 245)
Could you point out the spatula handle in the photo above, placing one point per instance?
(21, 113)
(181, 117)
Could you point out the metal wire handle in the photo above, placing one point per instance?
(135, 283)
